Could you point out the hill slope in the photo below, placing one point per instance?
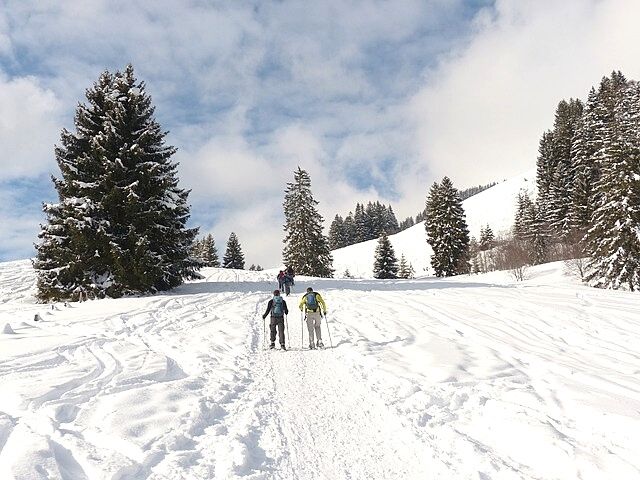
(495, 207)
(461, 378)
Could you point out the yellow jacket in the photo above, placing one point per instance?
(321, 304)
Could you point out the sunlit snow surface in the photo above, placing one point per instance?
(466, 378)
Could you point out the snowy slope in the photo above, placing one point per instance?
(495, 206)
(463, 378)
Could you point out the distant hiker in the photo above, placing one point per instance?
(280, 278)
(291, 273)
(288, 281)
(314, 307)
(278, 308)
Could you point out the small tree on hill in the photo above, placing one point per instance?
(405, 269)
(233, 257)
(385, 264)
(487, 238)
(209, 252)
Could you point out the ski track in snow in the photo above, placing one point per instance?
(429, 379)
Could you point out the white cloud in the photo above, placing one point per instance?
(483, 109)
(252, 91)
(29, 127)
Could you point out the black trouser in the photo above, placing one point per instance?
(279, 322)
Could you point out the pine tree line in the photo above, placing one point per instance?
(588, 179)
(471, 191)
(366, 224)
(119, 224)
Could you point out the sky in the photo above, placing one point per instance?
(375, 99)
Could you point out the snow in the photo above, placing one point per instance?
(472, 377)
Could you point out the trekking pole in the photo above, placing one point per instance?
(328, 330)
(301, 330)
(286, 322)
(264, 334)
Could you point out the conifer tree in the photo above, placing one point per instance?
(209, 252)
(336, 233)
(233, 256)
(613, 241)
(119, 225)
(360, 224)
(65, 264)
(486, 238)
(521, 228)
(405, 269)
(385, 263)
(406, 223)
(391, 222)
(197, 251)
(349, 230)
(587, 151)
(447, 231)
(306, 248)
(536, 234)
(545, 166)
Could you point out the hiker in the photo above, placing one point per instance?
(315, 307)
(288, 281)
(280, 278)
(278, 308)
(289, 271)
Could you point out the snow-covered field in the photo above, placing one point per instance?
(464, 378)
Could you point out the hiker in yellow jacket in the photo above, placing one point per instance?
(314, 307)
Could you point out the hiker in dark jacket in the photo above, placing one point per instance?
(289, 271)
(287, 280)
(278, 308)
(281, 279)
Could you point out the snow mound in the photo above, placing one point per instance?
(8, 330)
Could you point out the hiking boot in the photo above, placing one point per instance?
(272, 346)
(282, 347)
(320, 344)
(312, 346)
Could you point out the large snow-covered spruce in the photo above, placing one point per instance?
(447, 231)
(613, 241)
(306, 249)
(119, 225)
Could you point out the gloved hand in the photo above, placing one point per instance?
(264, 316)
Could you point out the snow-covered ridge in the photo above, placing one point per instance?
(495, 206)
